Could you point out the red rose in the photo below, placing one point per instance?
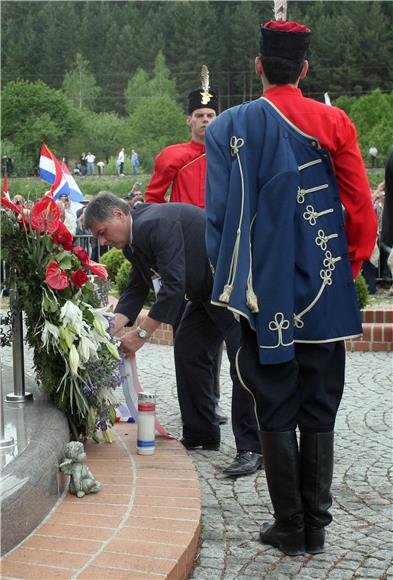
(79, 278)
(55, 277)
(63, 237)
(45, 215)
(81, 254)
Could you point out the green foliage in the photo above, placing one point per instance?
(373, 117)
(23, 165)
(122, 276)
(140, 87)
(361, 291)
(80, 86)
(112, 260)
(103, 134)
(156, 123)
(33, 113)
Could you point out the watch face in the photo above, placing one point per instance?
(142, 333)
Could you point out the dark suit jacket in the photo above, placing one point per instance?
(168, 239)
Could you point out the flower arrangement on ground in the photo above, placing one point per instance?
(75, 358)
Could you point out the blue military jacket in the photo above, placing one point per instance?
(275, 231)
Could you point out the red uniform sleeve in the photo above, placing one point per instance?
(165, 169)
(361, 223)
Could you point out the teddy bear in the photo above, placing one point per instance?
(82, 480)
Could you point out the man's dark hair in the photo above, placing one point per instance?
(101, 206)
(281, 71)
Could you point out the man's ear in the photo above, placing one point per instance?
(304, 71)
(258, 66)
(118, 213)
(188, 120)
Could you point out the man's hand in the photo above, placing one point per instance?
(131, 342)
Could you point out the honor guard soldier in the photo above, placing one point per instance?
(279, 170)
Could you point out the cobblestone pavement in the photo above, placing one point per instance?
(359, 541)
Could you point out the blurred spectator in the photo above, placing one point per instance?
(134, 162)
(19, 200)
(90, 158)
(373, 152)
(7, 165)
(387, 218)
(83, 164)
(67, 218)
(134, 196)
(120, 162)
(100, 167)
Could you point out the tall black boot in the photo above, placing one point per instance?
(281, 457)
(316, 473)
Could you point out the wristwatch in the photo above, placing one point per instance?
(142, 333)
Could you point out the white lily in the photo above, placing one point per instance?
(102, 315)
(50, 330)
(72, 314)
(86, 349)
(74, 360)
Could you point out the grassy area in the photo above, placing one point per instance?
(34, 187)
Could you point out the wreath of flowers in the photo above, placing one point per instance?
(75, 358)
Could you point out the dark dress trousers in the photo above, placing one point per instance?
(169, 240)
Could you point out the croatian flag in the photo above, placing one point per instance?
(75, 193)
(59, 175)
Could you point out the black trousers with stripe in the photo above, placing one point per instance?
(305, 392)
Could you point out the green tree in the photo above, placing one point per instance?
(156, 123)
(33, 113)
(373, 117)
(137, 90)
(80, 86)
(141, 87)
(104, 134)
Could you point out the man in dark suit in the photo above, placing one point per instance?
(166, 245)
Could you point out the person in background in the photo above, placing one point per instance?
(67, 217)
(373, 152)
(19, 200)
(165, 244)
(120, 162)
(135, 195)
(134, 162)
(387, 218)
(83, 164)
(279, 170)
(100, 167)
(90, 158)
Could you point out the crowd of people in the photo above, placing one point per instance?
(87, 164)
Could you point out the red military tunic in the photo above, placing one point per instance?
(184, 167)
(332, 127)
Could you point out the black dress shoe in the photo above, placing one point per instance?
(291, 542)
(222, 418)
(208, 443)
(245, 463)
